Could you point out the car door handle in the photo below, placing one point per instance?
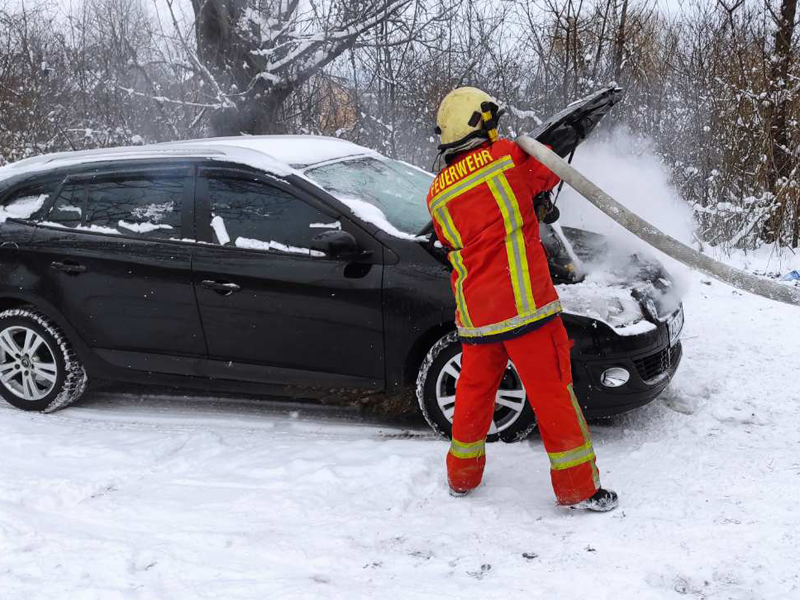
(226, 288)
(68, 267)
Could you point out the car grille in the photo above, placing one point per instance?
(656, 365)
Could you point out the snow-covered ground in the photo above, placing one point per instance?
(155, 498)
(139, 498)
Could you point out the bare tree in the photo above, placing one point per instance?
(783, 176)
(619, 42)
(715, 89)
(258, 52)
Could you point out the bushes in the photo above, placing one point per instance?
(716, 89)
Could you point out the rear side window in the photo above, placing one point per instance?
(27, 202)
(250, 214)
(147, 206)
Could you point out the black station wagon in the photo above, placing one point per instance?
(297, 266)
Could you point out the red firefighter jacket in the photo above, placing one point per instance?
(482, 210)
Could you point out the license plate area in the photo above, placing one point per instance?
(675, 326)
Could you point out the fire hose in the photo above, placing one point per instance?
(654, 237)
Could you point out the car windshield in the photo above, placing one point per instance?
(397, 189)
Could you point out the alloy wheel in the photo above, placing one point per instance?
(28, 366)
(509, 400)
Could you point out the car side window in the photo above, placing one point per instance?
(26, 202)
(250, 214)
(68, 207)
(143, 205)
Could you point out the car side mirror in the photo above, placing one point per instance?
(336, 244)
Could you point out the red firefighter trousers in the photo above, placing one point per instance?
(541, 358)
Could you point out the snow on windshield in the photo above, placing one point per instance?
(387, 193)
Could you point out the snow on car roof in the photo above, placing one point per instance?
(279, 155)
(62, 159)
(237, 155)
(273, 153)
(296, 150)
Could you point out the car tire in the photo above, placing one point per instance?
(435, 391)
(39, 370)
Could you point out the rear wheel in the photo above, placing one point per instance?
(39, 370)
(436, 393)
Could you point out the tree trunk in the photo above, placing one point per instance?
(781, 138)
(229, 58)
(619, 44)
(796, 233)
(221, 50)
(256, 116)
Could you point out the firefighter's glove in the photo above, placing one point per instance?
(546, 212)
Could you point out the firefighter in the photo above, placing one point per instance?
(482, 208)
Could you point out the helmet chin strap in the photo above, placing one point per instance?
(462, 146)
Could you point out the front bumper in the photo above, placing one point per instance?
(650, 373)
(651, 358)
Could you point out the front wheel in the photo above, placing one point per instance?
(436, 393)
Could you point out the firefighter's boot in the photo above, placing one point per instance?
(602, 501)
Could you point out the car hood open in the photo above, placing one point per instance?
(564, 131)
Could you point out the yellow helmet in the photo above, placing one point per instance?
(464, 114)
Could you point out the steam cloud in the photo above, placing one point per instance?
(627, 168)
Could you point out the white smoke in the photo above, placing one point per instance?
(627, 168)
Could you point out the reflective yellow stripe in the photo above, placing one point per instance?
(559, 456)
(474, 180)
(448, 228)
(461, 301)
(526, 276)
(510, 324)
(584, 430)
(453, 239)
(571, 458)
(467, 450)
(515, 244)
